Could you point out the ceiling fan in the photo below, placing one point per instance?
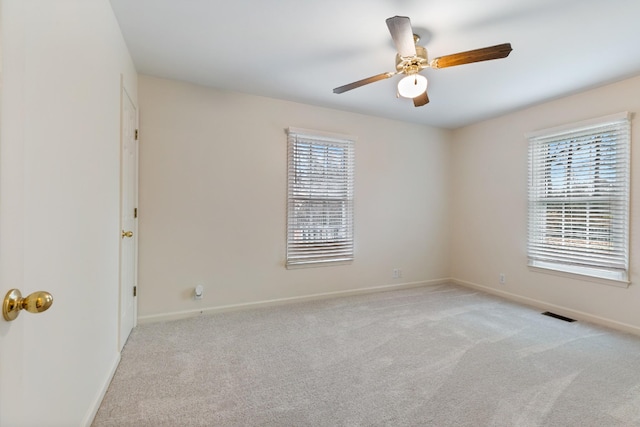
(411, 59)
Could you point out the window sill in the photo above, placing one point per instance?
(300, 265)
(580, 273)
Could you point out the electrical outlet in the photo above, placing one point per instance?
(397, 273)
(503, 279)
(198, 291)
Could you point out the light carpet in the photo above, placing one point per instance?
(431, 356)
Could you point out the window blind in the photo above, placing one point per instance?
(320, 198)
(579, 199)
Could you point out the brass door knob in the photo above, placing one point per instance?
(127, 234)
(36, 302)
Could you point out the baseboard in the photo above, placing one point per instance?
(542, 305)
(280, 301)
(93, 409)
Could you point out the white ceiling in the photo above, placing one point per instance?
(299, 50)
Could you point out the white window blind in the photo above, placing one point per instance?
(579, 198)
(320, 198)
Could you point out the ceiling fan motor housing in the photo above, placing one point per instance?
(414, 64)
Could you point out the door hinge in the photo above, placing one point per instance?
(135, 212)
(135, 291)
(136, 134)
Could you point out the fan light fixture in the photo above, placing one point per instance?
(411, 59)
(412, 86)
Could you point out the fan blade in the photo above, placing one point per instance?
(477, 55)
(402, 35)
(363, 82)
(421, 100)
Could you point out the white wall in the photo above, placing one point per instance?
(489, 209)
(59, 205)
(213, 199)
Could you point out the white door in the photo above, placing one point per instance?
(128, 214)
(14, 336)
(60, 219)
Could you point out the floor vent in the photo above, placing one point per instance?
(557, 316)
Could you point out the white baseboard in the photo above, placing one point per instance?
(268, 303)
(93, 409)
(542, 305)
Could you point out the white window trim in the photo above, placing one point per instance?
(604, 279)
(577, 126)
(296, 252)
(594, 274)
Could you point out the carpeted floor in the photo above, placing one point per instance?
(430, 356)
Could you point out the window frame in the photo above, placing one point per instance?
(593, 239)
(320, 202)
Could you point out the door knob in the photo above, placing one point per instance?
(36, 302)
(127, 234)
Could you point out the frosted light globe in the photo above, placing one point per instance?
(412, 86)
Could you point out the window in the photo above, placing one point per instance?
(320, 198)
(579, 198)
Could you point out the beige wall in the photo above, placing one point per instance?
(213, 200)
(434, 203)
(62, 63)
(489, 208)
